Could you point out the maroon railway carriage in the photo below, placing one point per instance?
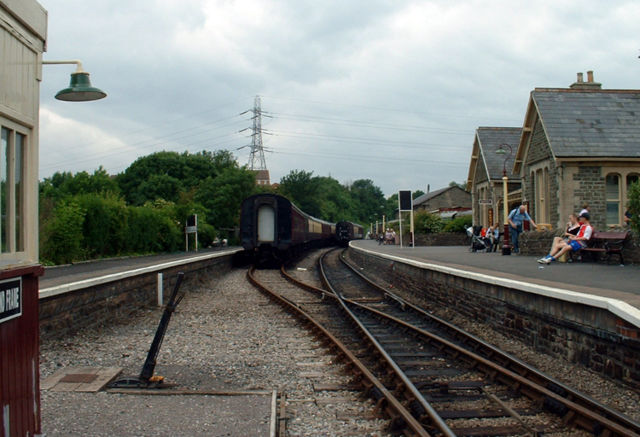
(271, 227)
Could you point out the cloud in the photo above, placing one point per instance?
(389, 91)
(67, 144)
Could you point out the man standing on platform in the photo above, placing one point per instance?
(516, 217)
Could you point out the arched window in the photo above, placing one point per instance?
(612, 193)
(632, 178)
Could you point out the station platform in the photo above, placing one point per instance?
(115, 267)
(612, 286)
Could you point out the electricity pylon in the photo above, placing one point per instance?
(256, 156)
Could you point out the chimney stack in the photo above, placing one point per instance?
(580, 84)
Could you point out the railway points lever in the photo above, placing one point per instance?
(146, 379)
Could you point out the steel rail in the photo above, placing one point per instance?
(437, 421)
(392, 406)
(582, 405)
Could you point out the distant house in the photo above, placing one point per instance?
(262, 177)
(446, 201)
(579, 145)
(486, 171)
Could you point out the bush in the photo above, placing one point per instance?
(459, 224)
(206, 234)
(151, 230)
(426, 223)
(62, 235)
(105, 224)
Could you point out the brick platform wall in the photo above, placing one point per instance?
(577, 333)
(100, 305)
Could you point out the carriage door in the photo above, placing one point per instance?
(266, 224)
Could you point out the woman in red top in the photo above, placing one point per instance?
(573, 242)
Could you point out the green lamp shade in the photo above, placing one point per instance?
(80, 89)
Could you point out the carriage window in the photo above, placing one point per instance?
(613, 199)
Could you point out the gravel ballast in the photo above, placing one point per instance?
(224, 336)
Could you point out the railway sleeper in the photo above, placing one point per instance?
(484, 413)
(494, 430)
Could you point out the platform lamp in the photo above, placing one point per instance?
(80, 89)
(505, 149)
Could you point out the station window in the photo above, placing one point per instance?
(12, 190)
(541, 196)
(612, 191)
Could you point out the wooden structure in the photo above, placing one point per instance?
(23, 27)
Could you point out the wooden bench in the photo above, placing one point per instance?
(607, 243)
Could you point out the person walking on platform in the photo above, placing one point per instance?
(574, 242)
(516, 217)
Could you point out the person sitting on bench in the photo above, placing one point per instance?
(573, 242)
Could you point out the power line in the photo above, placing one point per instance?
(369, 124)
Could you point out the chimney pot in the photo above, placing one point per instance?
(590, 76)
(580, 78)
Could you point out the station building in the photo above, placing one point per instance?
(445, 202)
(486, 171)
(578, 145)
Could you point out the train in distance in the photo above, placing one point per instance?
(273, 229)
(347, 231)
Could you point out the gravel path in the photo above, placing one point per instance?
(225, 335)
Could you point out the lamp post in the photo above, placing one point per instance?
(502, 150)
(80, 89)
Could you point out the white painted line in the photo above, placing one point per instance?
(86, 283)
(621, 309)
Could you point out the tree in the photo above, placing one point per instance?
(300, 187)
(368, 200)
(177, 172)
(461, 185)
(157, 186)
(223, 195)
(66, 184)
(334, 200)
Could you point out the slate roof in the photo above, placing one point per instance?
(489, 139)
(593, 123)
(431, 194)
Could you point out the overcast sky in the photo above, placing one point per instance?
(386, 90)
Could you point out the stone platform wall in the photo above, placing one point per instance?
(593, 337)
(102, 304)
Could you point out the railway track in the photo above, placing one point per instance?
(429, 377)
